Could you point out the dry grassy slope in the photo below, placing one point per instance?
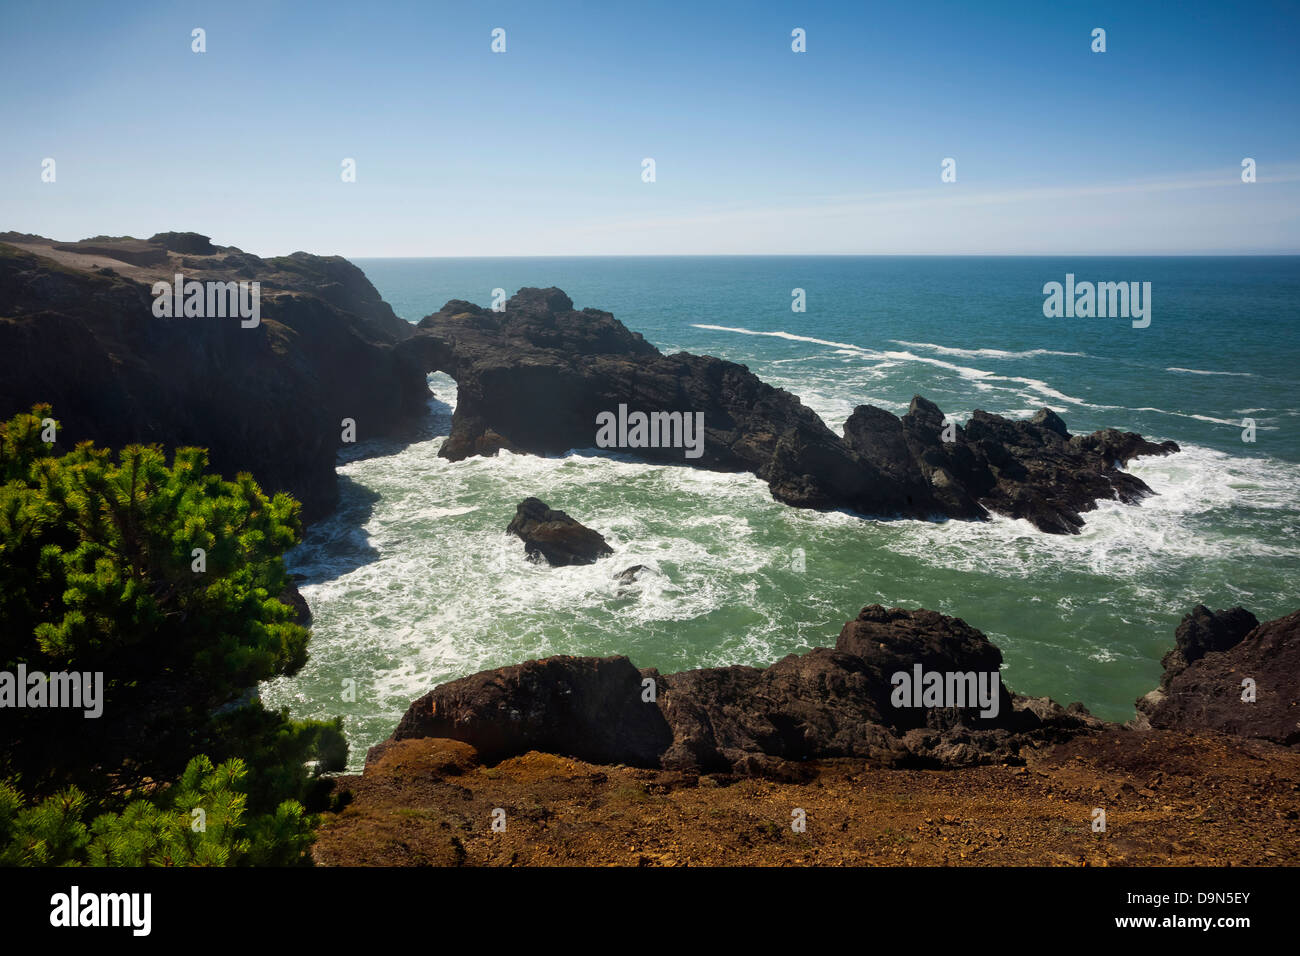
(1170, 798)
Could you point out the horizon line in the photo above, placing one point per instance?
(852, 255)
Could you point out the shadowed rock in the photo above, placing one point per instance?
(269, 399)
(1201, 688)
(1204, 631)
(293, 597)
(585, 707)
(629, 575)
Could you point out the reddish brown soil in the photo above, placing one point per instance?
(1170, 798)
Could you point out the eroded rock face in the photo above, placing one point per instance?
(825, 703)
(269, 399)
(534, 378)
(1202, 686)
(554, 537)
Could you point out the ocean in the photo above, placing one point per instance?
(413, 581)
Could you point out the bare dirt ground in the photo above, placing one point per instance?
(1170, 799)
(87, 262)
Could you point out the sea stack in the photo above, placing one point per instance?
(553, 536)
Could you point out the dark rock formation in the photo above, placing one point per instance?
(1030, 469)
(554, 536)
(586, 707)
(268, 399)
(1201, 688)
(1204, 631)
(534, 377)
(825, 703)
(839, 703)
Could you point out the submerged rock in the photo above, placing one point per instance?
(554, 536)
(629, 575)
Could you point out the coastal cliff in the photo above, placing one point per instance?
(78, 331)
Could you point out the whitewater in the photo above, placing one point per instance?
(413, 582)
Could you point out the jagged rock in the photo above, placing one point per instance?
(1203, 631)
(554, 536)
(1202, 685)
(1199, 632)
(1030, 469)
(890, 640)
(534, 377)
(821, 704)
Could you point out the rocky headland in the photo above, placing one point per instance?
(78, 331)
(534, 377)
(595, 760)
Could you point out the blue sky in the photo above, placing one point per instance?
(538, 151)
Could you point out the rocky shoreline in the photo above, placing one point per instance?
(844, 702)
(78, 331)
(593, 771)
(595, 759)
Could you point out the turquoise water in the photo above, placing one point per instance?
(413, 582)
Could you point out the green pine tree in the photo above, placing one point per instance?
(166, 579)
